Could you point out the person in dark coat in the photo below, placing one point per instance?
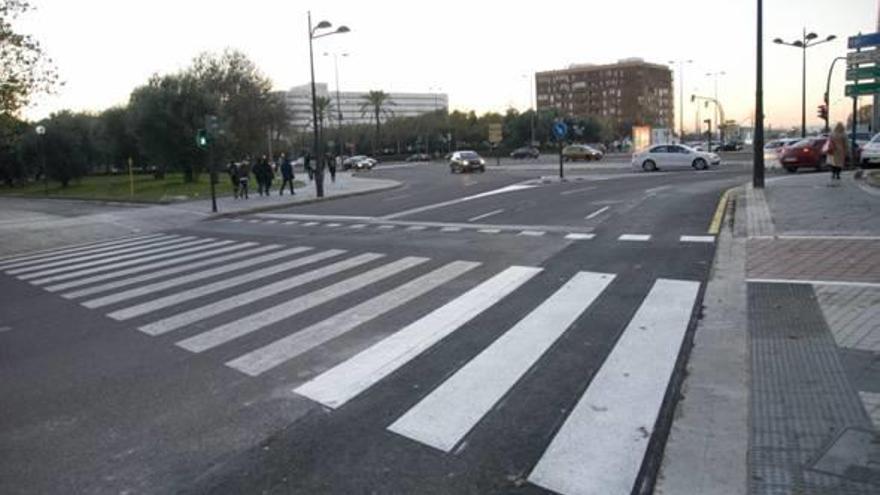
(232, 170)
(268, 174)
(286, 175)
(331, 164)
(307, 164)
(243, 178)
(257, 169)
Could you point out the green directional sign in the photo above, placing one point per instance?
(863, 73)
(863, 89)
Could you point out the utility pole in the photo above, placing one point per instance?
(758, 139)
(875, 120)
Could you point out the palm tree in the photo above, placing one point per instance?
(322, 105)
(377, 103)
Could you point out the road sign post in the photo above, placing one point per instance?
(495, 138)
(560, 130)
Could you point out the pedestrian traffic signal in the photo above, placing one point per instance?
(202, 138)
(823, 112)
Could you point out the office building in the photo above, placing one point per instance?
(630, 92)
(350, 103)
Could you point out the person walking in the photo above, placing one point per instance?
(331, 164)
(243, 178)
(307, 164)
(837, 148)
(268, 175)
(232, 170)
(286, 175)
(257, 169)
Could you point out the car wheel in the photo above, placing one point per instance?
(791, 170)
(649, 166)
(700, 164)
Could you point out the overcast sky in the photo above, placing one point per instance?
(477, 52)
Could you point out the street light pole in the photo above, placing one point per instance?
(681, 96)
(41, 131)
(718, 125)
(805, 42)
(758, 139)
(316, 147)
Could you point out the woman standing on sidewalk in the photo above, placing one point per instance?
(838, 150)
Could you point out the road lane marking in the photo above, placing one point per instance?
(697, 238)
(265, 358)
(448, 413)
(201, 260)
(180, 320)
(715, 224)
(72, 252)
(489, 231)
(386, 227)
(311, 224)
(416, 227)
(450, 229)
(112, 261)
(203, 290)
(634, 237)
(270, 222)
(357, 226)
(601, 445)
(97, 254)
(174, 253)
(575, 191)
(579, 237)
(506, 189)
(532, 233)
(332, 225)
(338, 385)
(249, 324)
(486, 215)
(597, 213)
(291, 222)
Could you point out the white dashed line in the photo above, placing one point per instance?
(635, 237)
(450, 229)
(489, 231)
(698, 238)
(532, 233)
(311, 224)
(271, 221)
(332, 225)
(597, 213)
(417, 227)
(293, 222)
(386, 227)
(254, 221)
(357, 226)
(580, 237)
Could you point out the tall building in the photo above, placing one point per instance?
(630, 92)
(299, 103)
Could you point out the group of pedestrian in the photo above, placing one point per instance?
(264, 173)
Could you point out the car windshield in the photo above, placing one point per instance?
(470, 155)
(688, 148)
(802, 143)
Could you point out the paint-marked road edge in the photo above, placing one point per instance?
(715, 225)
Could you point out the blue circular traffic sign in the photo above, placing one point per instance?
(560, 130)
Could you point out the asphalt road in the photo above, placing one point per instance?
(487, 333)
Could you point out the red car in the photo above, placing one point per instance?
(806, 153)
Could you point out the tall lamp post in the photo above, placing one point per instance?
(41, 131)
(718, 125)
(758, 138)
(807, 41)
(680, 95)
(338, 97)
(318, 152)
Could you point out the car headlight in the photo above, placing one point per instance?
(482, 162)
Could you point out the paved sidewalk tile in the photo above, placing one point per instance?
(760, 223)
(853, 315)
(852, 260)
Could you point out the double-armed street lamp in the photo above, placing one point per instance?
(338, 97)
(808, 40)
(680, 95)
(318, 152)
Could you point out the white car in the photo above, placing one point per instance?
(871, 151)
(667, 156)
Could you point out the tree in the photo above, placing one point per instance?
(67, 148)
(376, 103)
(12, 166)
(114, 140)
(25, 70)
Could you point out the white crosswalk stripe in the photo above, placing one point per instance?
(173, 252)
(445, 416)
(44, 262)
(188, 317)
(252, 323)
(345, 381)
(601, 445)
(63, 253)
(178, 265)
(293, 345)
(204, 290)
(66, 266)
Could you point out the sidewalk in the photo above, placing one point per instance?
(25, 227)
(783, 388)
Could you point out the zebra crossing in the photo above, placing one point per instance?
(602, 441)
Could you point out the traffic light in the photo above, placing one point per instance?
(202, 138)
(823, 112)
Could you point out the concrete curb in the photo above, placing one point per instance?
(707, 448)
(265, 208)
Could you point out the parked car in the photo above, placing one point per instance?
(418, 157)
(728, 146)
(525, 152)
(466, 161)
(870, 152)
(358, 162)
(574, 152)
(673, 156)
(806, 153)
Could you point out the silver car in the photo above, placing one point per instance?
(667, 156)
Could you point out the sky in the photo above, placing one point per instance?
(482, 54)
